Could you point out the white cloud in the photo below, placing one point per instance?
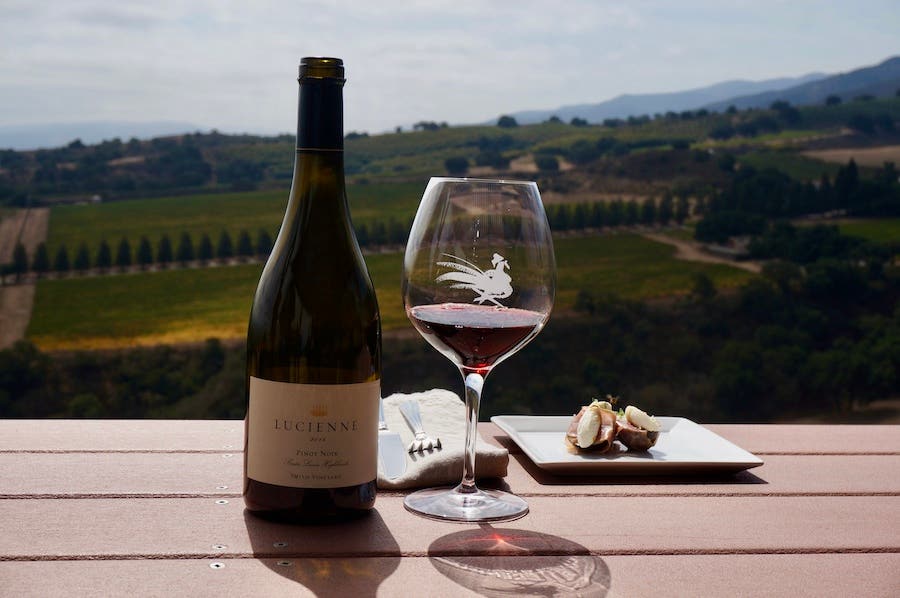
(232, 64)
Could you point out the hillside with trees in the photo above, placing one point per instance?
(818, 330)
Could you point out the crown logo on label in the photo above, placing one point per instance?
(318, 411)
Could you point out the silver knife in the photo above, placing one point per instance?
(391, 452)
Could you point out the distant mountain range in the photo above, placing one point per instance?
(25, 137)
(880, 80)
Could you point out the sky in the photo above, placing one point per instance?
(232, 65)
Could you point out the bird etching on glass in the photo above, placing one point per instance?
(488, 285)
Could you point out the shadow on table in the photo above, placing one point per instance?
(325, 557)
(502, 562)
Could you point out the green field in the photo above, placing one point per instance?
(795, 165)
(882, 230)
(211, 214)
(178, 306)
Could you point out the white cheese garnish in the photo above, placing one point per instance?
(641, 419)
(588, 426)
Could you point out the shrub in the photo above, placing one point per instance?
(546, 163)
(456, 165)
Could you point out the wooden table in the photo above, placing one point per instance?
(153, 508)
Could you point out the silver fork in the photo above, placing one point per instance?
(422, 441)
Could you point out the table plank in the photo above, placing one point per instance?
(781, 475)
(768, 439)
(151, 528)
(105, 435)
(220, 474)
(121, 474)
(644, 575)
(227, 435)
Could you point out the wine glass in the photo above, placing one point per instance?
(479, 279)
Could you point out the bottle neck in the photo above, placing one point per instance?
(320, 118)
(318, 196)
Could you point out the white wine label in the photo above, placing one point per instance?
(312, 435)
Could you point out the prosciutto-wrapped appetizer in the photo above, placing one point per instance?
(593, 427)
(637, 430)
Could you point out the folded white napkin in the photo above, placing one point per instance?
(443, 416)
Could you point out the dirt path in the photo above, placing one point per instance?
(16, 301)
(873, 157)
(691, 252)
(28, 226)
(15, 312)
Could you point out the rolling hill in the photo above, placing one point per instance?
(880, 81)
(627, 105)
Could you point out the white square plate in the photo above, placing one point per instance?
(683, 447)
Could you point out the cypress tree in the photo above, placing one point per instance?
(61, 261)
(205, 249)
(263, 243)
(648, 211)
(123, 254)
(616, 212)
(224, 249)
(666, 209)
(632, 212)
(82, 258)
(395, 232)
(40, 265)
(185, 251)
(599, 215)
(682, 209)
(20, 261)
(362, 234)
(144, 253)
(164, 251)
(244, 244)
(580, 217)
(562, 218)
(379, 233)
(104, 256)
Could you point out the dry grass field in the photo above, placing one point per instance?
(873, 157)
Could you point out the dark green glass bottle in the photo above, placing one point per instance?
(314, 338)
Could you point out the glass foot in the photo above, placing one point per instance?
(451, 504)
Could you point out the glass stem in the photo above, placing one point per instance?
(474, 382)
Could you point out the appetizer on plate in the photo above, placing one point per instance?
(597, 426)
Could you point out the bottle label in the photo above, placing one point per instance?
(312, 435)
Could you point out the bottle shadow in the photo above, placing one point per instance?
(503, 562)
(326, 556)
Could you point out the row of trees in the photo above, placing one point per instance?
(562, 217)
(752, 197)
(144, 256)
(618, 212)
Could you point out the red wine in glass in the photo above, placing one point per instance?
(479, 279)
(475, 336)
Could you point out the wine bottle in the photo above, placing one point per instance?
(314, 337)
